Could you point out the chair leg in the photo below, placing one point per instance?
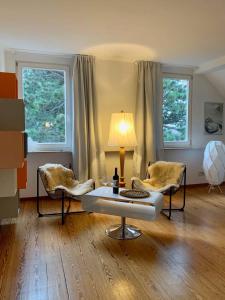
(68, 207)
(170, 209)
(40, 214)
(63, 200)
(38, 197)
(62, 213)
(184, 191)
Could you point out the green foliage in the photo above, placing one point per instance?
(44, 96)
(175, 109)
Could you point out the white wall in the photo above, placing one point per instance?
(203, 91)
(116, 90)
(2, 58)
(193, 160)
(217, 78)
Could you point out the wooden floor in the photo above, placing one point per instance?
(179, 259)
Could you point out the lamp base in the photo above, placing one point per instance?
(123, 232)
(122, 182)
(122, 160)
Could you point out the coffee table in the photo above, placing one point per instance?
(102, 200)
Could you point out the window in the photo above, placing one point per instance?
(45, 90)
(176, 109)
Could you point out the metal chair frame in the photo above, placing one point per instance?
(173, 191)
(63, 213)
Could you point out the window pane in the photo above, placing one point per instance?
(44, 96)
(175, 109)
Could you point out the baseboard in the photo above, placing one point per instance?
(203, 184)
(34, 198)
(195, 185)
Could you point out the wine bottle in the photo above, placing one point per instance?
(116, 183)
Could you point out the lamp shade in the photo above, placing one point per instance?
(122, 133)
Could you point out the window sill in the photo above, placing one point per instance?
(178, 148)
(50, 151)
(184, 148)
(177, 145)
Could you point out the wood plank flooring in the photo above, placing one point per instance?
(179, 259)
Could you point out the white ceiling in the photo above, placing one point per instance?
(188, 32)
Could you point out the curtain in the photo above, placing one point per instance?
(148, 116)
(88, 157)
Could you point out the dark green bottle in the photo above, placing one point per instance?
(115, 182)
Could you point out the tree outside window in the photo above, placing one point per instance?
(175, 109)
(44, 96)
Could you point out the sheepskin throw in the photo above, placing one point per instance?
(163, 175)
(56, 176)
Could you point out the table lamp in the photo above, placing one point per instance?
(122, 134)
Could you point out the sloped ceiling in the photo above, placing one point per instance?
(175, 31)
(217, 78)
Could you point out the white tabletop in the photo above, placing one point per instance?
(107, 192)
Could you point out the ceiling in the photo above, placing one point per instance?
(187, 32)
(217, 78)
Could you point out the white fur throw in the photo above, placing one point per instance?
(163, 175)
(57, 176)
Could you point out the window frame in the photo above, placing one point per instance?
(179, 144)
(48, 147)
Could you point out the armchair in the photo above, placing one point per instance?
(59, 183)
(164, 177)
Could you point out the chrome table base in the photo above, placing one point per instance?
(123, 231)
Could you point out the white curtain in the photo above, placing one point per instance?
(148, 116)
(88, 157)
